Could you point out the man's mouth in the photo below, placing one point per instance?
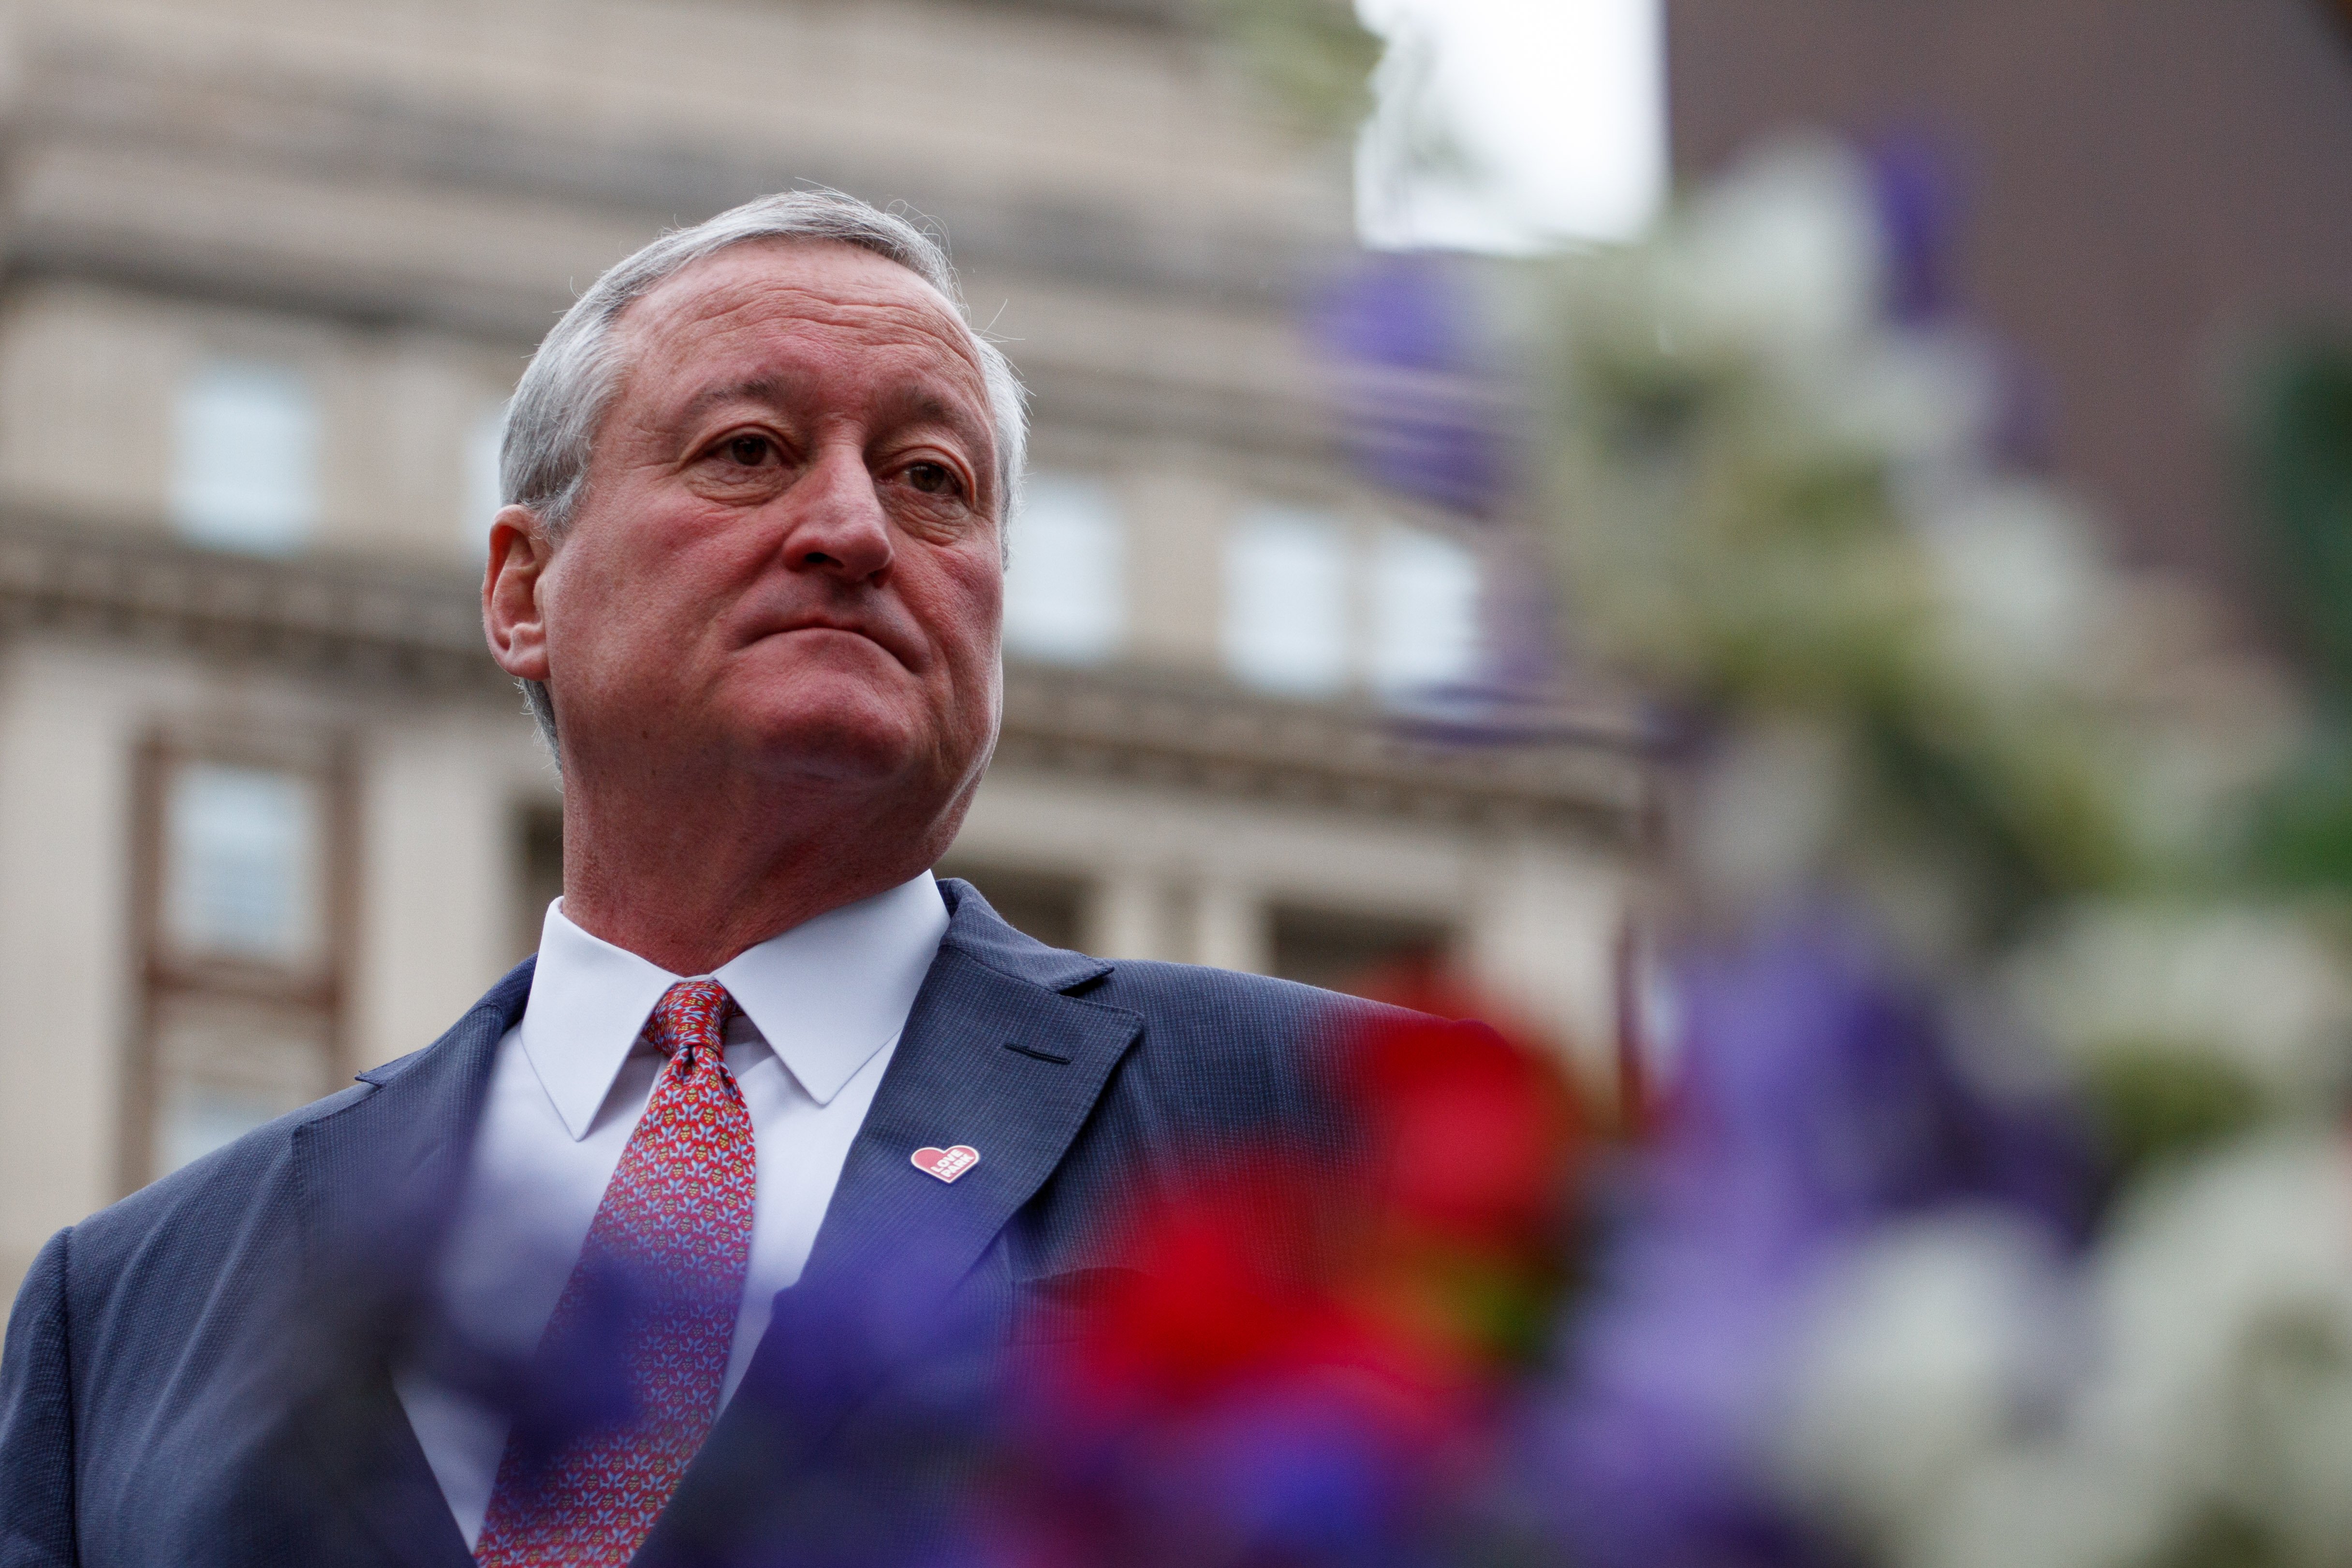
(866, 634)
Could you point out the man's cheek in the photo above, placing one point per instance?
(980, 586)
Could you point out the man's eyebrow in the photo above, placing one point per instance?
(908, 403)
(913, 403)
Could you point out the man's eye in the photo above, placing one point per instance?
(747, 450)
(932, 479)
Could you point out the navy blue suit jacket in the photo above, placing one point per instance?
(196, 1375)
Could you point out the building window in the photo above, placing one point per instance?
(1285, 623)
(1425, 592)
(241, 929)
(241, 857)
(483, 491)
(245, 460)
(1065, 584)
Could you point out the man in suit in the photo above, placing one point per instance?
(749, 574)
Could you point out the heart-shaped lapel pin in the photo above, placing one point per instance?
(946, 1164)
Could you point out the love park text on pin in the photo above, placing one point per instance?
(946, 1164)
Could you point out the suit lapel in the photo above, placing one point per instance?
(994, 1057)
(374, 1185)
(957, 1079)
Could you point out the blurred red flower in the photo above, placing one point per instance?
(1319, 1333)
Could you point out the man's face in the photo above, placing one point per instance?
(787, 556)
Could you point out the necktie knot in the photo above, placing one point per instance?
(691, 1019)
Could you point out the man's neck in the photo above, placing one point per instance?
(690, 887)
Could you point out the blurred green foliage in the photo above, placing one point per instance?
(1312, 57)
(2303, 829)
(2226, 1539)
(2299, 450)
(2156, 1104)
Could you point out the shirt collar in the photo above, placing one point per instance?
(825, 995)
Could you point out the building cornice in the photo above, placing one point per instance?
(362, 626)
(347, 619)
(643, 175)
(1583, 771)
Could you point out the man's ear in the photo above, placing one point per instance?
(521, 553)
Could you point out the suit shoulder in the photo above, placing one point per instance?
(1180, 993)
(209, 1190)
(1221, 1055)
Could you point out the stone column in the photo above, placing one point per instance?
(1230, 929)
(1543, 938)
(1128, 916)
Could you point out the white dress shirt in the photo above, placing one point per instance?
(823, 1007)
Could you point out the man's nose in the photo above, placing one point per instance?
(837, 524)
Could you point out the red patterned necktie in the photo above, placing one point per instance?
(670, 1243)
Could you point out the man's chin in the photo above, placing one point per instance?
(847, 744)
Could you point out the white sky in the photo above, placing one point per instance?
(1560, 104)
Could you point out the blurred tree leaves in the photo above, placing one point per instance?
(2301, 451)
(1312, 57)
(2154, 1104)
(2298, 450)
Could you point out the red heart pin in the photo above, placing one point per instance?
(946, 1164)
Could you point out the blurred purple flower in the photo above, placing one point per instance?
(852, 1441)
(1404, 311)
(1819, 1091)
(1284, 1471)
(1818, 1097)
(1920, 194)
(1919, 210)
(1422, 405)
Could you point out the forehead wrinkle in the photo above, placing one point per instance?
(914, 304)
(711, 306)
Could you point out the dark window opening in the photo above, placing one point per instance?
(538, 872)
(1038, 903)
(1352, 952)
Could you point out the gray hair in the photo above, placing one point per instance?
(569, 385)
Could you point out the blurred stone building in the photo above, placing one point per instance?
(271, 266)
